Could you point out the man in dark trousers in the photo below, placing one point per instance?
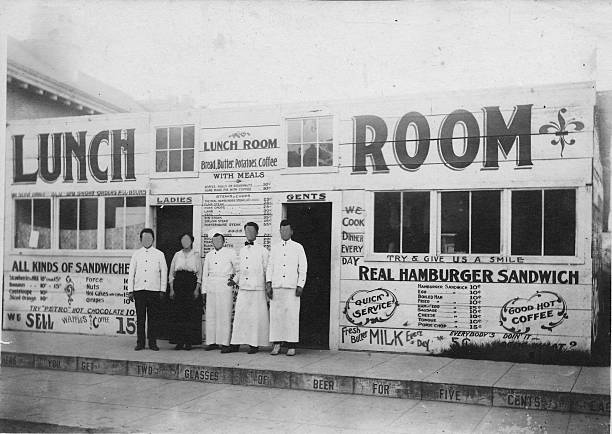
(146, 285)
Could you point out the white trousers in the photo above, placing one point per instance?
(251, 319)
(219, 303)
(284, 315)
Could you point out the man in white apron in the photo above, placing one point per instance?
(219, 267)
(286, 276)
(251, 318)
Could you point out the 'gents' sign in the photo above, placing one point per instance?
(66, 148)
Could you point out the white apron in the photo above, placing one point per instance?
(219, 301)
(251, 319)
(284, 315)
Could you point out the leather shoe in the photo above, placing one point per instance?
(275, 350)
(226, 349)
(139, 347)
(252, 349)
(178, 347)
(154, 347)
(187, 347)
(291, 352)
(211, 347)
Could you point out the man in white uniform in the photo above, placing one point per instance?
(147, 281)
(219, 267)
(251, 318)
(286, 276)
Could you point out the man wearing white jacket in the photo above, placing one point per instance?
(286, 276)
(251, 319)
(220, 265)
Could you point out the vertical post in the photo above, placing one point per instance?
(3, 54)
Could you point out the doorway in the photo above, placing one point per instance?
(311, 223)
(171, 222)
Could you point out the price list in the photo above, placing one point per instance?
(449, 306)
(229, 213)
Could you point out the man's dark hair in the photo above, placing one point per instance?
(285, 222)
(187, 234)
(147, 231)
(254, 225)
(219, 235)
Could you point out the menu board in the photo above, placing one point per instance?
(238, 166)
(449, 306)
(68, 295)
(228, 213)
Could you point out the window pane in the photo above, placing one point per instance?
(134, 221)
(175, 137)
(175, 161)
(559, 222)
(88, 223)
(188, 160)
(68, 224)
(527, 222)
(23, 221)
(486, 215)
(42, 222)
(294, 131)
(161, 138)
(325, 154)
(415, 238)
(310, 130)
(161, 161)
(455, 222)
(294, 156)
(310, 155)
(325, 130)
(188, 137)
(387, 222)
(113, 223)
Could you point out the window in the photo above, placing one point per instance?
(470, 222)
(174, 149)
(310, 142)
(78, 223)
(544, 222)
(33, 223)
(124, 218)
(401, 222)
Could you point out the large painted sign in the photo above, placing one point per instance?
(238, 166)
(68, 295)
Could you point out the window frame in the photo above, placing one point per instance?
(439, 218)
(78, 222)
(102, 206)
(579, 222)
(14, 224)
(401, 218)
(193, 173)
(55, 249)
(583, 198)
(305, 115)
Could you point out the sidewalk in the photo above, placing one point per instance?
(35, 400)
(486, 383)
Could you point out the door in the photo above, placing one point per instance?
(311, 223)
(171, 222)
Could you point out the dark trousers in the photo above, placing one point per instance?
(186, 311)
(147, 309)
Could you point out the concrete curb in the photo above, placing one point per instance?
(486, 395)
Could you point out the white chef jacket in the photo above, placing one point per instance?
(252, 269)
(287, 265)
(186, 262)
(148, 270)
(220, 263)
